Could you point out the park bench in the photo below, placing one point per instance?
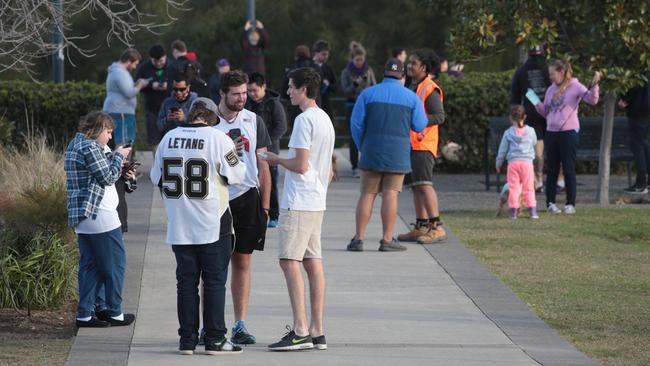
(588, 146)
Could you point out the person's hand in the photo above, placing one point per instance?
(124, 151)
(498, 169)
(142, 83)
(247, 25)
(180, 115)
(596, 78)
(129, 174)
(239, 143)
(326, 82)
(271, 158)
(259, 24)
(623, 104)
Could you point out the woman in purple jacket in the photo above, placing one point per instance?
(560, 107)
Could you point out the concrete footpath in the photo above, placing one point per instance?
(431, 305)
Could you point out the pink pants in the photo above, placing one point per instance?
(521, 178)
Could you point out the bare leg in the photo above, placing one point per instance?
(314, 268)
(364, 211)
(296, 287)
(539, 163)
(388, 212)
(429, 200)
(418, 203)
(240, 283)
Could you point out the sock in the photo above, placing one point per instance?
(86, 319)
(435, 221)
(119, 317)
(421, 222)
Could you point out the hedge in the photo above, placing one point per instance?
(469, 101)
(52, 108)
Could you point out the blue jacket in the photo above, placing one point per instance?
(381, 121)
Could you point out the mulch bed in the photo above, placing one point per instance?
(58, 324)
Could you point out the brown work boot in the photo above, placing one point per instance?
(413, 235)
(435, 234)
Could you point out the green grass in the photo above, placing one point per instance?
(587, 275)
(36, 352)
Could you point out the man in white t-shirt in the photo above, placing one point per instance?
(193, 166)
(309, 169)
(248, 204)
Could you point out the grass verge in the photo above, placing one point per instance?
(587, 275)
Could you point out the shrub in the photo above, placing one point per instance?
(51, 108)
(37, 270)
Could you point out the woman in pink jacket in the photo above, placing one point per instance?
(560, 107)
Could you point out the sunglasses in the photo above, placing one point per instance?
(179, 90)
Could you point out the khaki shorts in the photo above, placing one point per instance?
(375, 182)
(300, 233)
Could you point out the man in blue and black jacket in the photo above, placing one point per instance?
(381, 121)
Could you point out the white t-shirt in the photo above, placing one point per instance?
(255, 135)
(194, 164)
(107, 218)
(313, 131)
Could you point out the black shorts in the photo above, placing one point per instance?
(422, 164)
(249, 221)
(539, 126)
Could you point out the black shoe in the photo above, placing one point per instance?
(186, 347)
(636, 190)
(292, 342)
(105, 316)
(319, 342)
(223, 347)
(355, 245)
(93, 323)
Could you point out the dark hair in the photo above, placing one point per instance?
(130, 54)
(256, 78)
(429, 59)
(307, 77)
(157, 51)
(301, 52)
(94, 123)
(200, 111)
(179, 45)
(232, 78)
(517, 114)
(180, 77)
(320, 45)
(397, 51)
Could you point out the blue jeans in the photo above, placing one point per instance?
(124, 131)
(209, 262)
(102, 263)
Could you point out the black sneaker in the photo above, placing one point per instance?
(636, 190)
(93, 323)
(224, 347)
(186, 347)
(292, 342)
(319, 342)
(105, 316)
(391, 246)
(355, 245)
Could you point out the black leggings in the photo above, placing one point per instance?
(561, 147)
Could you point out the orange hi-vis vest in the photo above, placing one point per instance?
(427, 140)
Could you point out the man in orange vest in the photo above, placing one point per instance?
(424, 149)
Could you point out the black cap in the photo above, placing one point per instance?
(394, 67)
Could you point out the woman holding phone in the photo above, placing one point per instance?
(560, 107)
(91, 172)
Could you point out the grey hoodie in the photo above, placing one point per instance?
(120, 91)
(515, 147)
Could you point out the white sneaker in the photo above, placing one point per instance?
(355, 173)
(569, 209)
(552, 208)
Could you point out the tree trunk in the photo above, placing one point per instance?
(606, 149)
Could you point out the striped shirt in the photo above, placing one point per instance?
(88, 170)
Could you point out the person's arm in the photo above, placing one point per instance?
(435, 106)
(105, 171)
(141, 74)
(264, 37)
(279, 121)
(126, 86)
(419, 118)
(263, 141)
(358, 120)
(155, 174)
(592, 95)
(299, 164)
(161, 121)
(503, 150)
(331, 77)
(542, 106)
(371, 78)
(230, 167)
(347, 86)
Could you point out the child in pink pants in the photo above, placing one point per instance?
(518, 148)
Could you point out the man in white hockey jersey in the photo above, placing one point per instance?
(193, 166)
(250, 200)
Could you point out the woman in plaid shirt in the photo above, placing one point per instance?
(91, 171)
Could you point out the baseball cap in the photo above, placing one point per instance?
(207, 102)
(394, 67)
(223, 62)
